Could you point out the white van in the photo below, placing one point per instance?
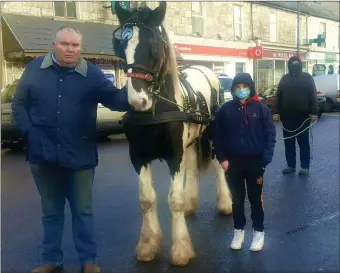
(330, 86)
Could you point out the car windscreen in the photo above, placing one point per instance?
(226, 83)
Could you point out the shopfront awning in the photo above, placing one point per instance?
(29, 36)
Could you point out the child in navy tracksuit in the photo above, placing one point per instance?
(244, 142)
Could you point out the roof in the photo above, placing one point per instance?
(36, 33)
(326, 10)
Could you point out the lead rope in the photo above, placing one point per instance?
(311, 139)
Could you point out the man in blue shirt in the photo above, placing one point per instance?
(55, 107)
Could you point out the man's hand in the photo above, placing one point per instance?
(276, 117)
(225, 165)
(314, 118)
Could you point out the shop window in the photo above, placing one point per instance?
(65, 9)
(264, 75)
(319, 69)
(14, 71)
(239, 68)
(330, 69)
(280, 71)
(197, 17)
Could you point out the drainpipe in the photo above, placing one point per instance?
(252, 37)
(2, 61)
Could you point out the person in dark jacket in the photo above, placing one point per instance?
(296, 106)
(55, 108)
(244, 142)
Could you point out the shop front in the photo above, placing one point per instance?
(225, 59)
(20, 48)
(273, 66)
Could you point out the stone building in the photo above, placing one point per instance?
(228, 37)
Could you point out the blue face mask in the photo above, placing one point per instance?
(242, 94)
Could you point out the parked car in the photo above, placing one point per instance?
(268, 97)
(108, 122)
(330, 86)
(226, 82)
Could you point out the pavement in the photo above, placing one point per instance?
(301, 216)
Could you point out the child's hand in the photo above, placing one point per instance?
(225, 165)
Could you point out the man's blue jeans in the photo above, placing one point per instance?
(55, 185)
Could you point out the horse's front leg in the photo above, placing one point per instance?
(191, 190)
(150, 234)
(223, 194)
(181, 249)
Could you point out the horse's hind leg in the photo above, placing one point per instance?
(181, 250)
(150, 234)
(191, 190)
(223, 195)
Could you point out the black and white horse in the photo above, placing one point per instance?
(169, 122)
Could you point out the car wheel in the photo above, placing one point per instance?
(329, 106)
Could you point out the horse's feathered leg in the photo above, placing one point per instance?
(181, 250)
(223, 194)
(150, 234)
(191, 190)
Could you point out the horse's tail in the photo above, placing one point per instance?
(204, 151)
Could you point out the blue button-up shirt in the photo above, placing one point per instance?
(56, 110)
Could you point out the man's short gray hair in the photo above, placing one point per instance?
(67, 28)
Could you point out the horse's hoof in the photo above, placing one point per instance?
(147, 251)
(181, 252)
(225, 211)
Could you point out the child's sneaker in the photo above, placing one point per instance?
(238, 239)
(258, 241)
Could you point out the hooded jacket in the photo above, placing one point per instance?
(296, 95)
(244, 129)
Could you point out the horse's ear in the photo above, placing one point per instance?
(158, 13)
(122, 14)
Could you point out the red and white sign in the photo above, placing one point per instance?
(211, 50)
(255, 52)
(282, 55)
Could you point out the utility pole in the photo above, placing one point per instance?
(298, 29)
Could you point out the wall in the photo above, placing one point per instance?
(286, 25)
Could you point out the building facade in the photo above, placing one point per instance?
(323, 59)
(219, 35)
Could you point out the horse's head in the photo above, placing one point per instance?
(142, 42)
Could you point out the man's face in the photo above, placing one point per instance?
(67, 47)
(295, 62)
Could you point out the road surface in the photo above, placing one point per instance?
(301, 216)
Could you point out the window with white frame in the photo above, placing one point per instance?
(273, 28)
(65, 9)
(322, 31)
(197, 17)
(237, 12)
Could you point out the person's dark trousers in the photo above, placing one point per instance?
(246, 171)
(302, 139)
(56, 185)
